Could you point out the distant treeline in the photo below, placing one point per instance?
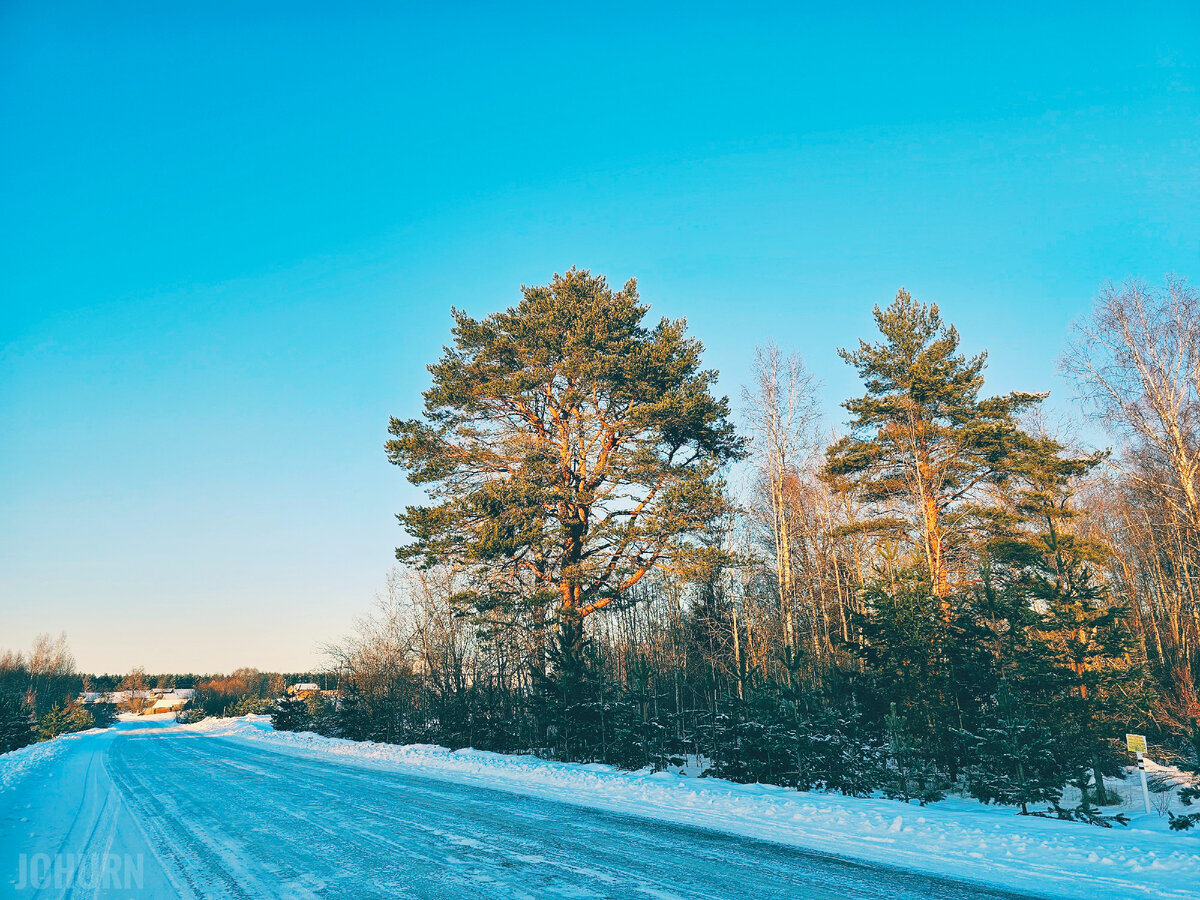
(42, 695)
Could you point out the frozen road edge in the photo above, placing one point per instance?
(955, 838)
(17, 764)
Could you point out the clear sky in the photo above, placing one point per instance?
(230, 236)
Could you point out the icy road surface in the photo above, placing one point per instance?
(211, 816)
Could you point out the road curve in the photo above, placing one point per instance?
(192, 815)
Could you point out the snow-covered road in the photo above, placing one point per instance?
(153, 811)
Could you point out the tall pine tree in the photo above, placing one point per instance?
(924, 446)
(569, 449)
(1075, 663)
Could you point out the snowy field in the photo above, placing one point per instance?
(229, 808)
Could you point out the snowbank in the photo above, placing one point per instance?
(17, 764)
(958, 838)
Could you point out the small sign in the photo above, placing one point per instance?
(1136, 743)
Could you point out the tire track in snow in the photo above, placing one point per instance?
(209, 874)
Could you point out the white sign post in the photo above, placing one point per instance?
(1137, 743)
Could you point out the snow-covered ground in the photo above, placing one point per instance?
(223, 792)
(954, 837)
(15, 765)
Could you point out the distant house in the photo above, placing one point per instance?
(169, 703)
(304, 689)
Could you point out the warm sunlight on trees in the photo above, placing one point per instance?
(781, 413)
(569, 448)
(1136, 359)
(924, 447)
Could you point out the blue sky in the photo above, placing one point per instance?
(230, 239)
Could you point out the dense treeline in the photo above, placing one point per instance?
(246, 690)
(949, 596)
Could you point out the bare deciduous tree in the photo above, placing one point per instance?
(781, 411)
(1136, 360)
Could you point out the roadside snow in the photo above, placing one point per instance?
(18, 764)
(957, 837)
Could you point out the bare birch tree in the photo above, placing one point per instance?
(1136, 361)
(781, 411)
